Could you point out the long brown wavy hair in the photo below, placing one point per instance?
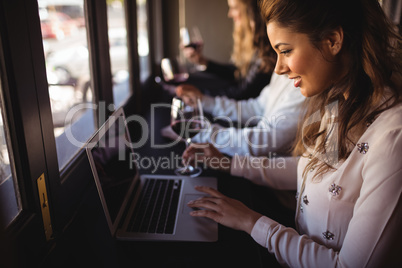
(250, 40)
(373, 81)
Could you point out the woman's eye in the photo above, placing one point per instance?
(285, 52)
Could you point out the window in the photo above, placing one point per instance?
(68, 73)
(10, 204)
(143, 39)
(117, 34)
(54, 65)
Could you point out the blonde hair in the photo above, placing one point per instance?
(250, 40)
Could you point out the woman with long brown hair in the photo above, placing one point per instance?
(345, 56)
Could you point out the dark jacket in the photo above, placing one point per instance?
(246, 87)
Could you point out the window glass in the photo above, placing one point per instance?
(143, 40)
(67, 67)
(9, 195)
(118, 51)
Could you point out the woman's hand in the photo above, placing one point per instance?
(194, 55)
(168, 132)
(188, 93)
(207, 153)
(224, 210)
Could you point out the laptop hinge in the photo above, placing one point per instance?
(47, 224)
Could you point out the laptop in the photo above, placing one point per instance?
(143, 207)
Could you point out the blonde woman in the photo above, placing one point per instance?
(252, 58)
(268, 121)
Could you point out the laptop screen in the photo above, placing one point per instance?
(111, 154)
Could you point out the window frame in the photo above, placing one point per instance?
(27, 106)
(28, 117)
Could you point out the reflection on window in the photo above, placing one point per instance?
(9, 196)
(118, 51)
(67, 66)
(143, 41)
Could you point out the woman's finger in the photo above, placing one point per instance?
(204, 203)
(190, 152)
(210, 191)
(198, 148)
(213, 215)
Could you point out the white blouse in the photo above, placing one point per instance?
(270, 120)
(351, 216)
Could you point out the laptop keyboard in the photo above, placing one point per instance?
(157, 206)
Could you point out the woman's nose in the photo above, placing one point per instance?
(281, 67)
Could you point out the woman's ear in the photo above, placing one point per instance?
(334, 41)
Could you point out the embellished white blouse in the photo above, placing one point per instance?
(351, 216)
